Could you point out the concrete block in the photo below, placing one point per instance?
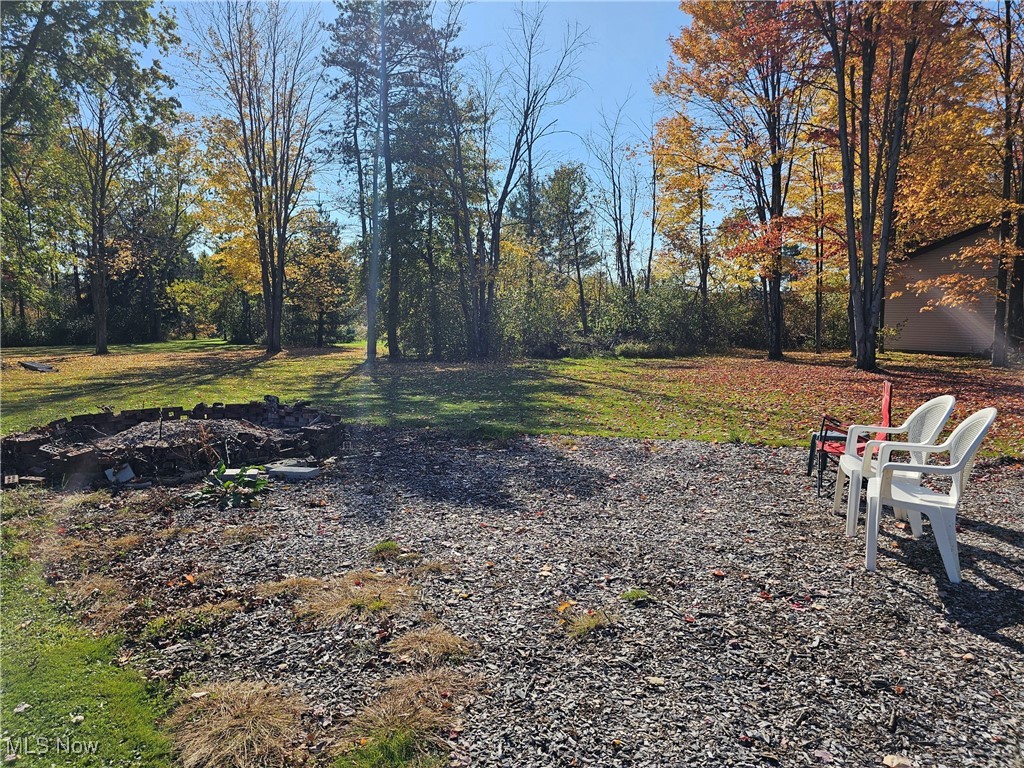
(234, 474)
(121, 475)
(293, 474)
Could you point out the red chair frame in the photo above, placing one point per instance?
(828, 444)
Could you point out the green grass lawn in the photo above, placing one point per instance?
(737, 396)
(63, 701)
(67, 676)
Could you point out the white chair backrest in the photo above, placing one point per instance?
(925, 424)
(964, 444)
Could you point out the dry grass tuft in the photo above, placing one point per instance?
(581, 624)
(56, 548)
(91, 587)
(78, 502)
(397, 712)
(103, 601)
(430, 568)
(437, 688)
(429, 645)
(357, 592)
(122, 545)
(419, 704)
(236, 725)
(292, 586)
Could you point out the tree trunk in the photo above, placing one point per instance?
(487, 257)
(360, 179)
(394, 258)
(1000, 356)
(320, 328)
(819, 246)
(77, 281)
(817, 304)
(435, 278)
(98, 282)
(583, 300)
(1015, 302)
(273, 307)
(775, 322)
(851, 327)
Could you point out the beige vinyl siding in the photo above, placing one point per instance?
(960, 330)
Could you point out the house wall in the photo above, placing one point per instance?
(959, 330)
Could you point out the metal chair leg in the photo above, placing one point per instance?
(810, 453)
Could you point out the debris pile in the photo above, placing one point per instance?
(168, 442)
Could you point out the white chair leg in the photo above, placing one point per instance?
(944, 527)
(853, 504)
(915, 521)
(871, 533)
(900, 514)
(838, 499)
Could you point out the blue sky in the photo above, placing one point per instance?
(627, 49)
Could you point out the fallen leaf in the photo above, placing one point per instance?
(566, 605)
(897, 761)
(23, 707)
(657, 681)
(718, 573)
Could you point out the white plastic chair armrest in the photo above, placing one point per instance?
(886, 471)
(925, 469)
(886, 447)
(856, 431)
(923, 448)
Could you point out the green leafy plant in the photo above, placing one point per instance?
(385, 550)
(636, 596)
(233, 493)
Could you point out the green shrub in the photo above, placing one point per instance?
(643, 349)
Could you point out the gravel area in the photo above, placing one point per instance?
(765, 642)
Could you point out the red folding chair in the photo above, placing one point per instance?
(829, 443)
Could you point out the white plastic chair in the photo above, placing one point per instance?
(922, 426)
(901, 491)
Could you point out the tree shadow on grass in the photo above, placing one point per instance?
(478, 399)
(194, 371)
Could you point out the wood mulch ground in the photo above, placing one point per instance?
(763, 643)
